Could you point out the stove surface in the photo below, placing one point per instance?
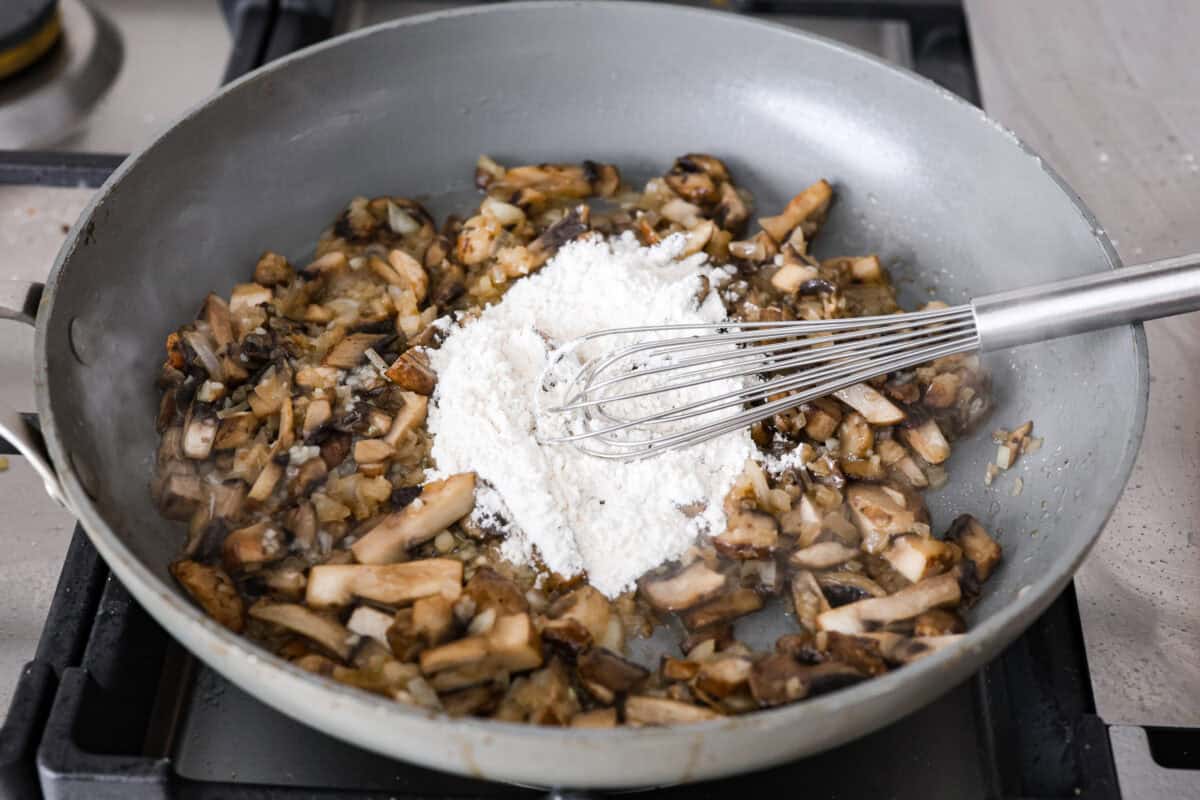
(1024, 727)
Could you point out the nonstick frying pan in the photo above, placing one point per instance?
(951, 200)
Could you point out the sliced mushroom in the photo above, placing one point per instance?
(433, 619)
(599, 718)
(871, 614)
(823, 555)
(732, 211)
(372, 451)
(739, 602)
(777, 679)
(840, 588)
(643, 710)
(473, 701)
(686, 588)
(677, 669)
(350, 352)
(822, 418)
(919, 557)
(748, 534)
(441, 504)
(977, 545)
(411, 273)
(213, 590)
(489, 589)
(855, 436)
(253, 545)
(248, 295)
(880, 513)
(861, 653)
(611, 671)
(411, 372)
(808, 600)
(273, 269)
(866, 400)
(928, 441)
(568, 634)
(393, 584)
(721, 676)
(938, 622)
(410, 415)
(326, 632)
(807, 208)
(907, 650)
(586, 606)
(199, 433)
(180, 495)
(543, 697)
(511, 645)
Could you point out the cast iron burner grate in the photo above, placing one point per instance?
(112, 707)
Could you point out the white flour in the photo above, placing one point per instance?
(615, 520)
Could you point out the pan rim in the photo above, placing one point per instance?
(174, 611)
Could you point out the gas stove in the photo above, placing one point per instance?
(111, 706)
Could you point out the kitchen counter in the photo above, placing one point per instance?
(1109, 94)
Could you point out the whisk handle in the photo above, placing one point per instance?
(1077, 305)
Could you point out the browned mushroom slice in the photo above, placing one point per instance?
(976, 544)
(739, 602)
(840, 588)
(410, 272)
(599, 718)
(411, 371)
(866, 400)
(928, 441)
(606, 668)
(919, 557)
(748, 534)
(489, 589)
(543, 697)
(678, 669)
(326, 632)
(248, 295)
(874, 613)
(253, 545)
(235, 431)
(574, 224)
(942, 390)
(732, 211)
(643, 710)
(688, 587)
(720, 635)
(408, 418)
(349, 352)
(808, 600)
(880, 513)
(861, 653)
(938, 622)
(199, 433)
(722, 676)
(213, 591)
(511, 645)
(371, 451)
(822, 418)
(273, 269)
(393, 584)
(473, 701)
(180, 495)
(823, 555)
(567, 633)
(433, 619)
(586, 606)
(777, 679)
(556, 180)
(907, 650)
(807, 208)
(441, 504)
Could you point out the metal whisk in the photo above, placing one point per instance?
(665, 387)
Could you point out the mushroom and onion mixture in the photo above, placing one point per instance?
(294, 445)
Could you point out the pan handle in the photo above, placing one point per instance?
(19, 301)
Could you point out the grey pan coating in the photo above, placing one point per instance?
(945, 195)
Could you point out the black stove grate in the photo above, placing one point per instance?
(85, 723)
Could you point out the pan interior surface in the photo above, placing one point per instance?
(953, 204)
